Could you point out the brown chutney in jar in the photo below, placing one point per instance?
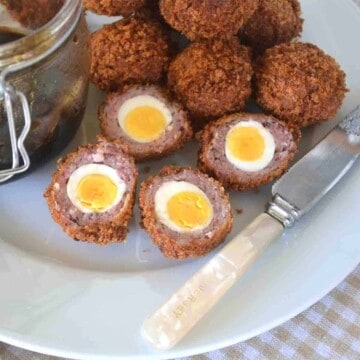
(54, 81)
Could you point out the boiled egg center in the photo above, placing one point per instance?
(246, 143)
(189, 210)
(144, 118)
(95, 188)
(250, 146)
(97, 192)
(183, 206)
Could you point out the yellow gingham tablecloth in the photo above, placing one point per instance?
(329, 329)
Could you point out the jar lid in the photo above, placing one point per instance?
(35, 34)
(24, 16)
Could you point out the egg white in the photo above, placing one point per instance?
(138, 101)
(265, 160)
(166, 191)
(90, 169)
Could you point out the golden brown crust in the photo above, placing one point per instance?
(212, 78)
(207, 19)
(103, 233)
(167, 245)
(299, 83)
(128, 51)
(274, 22)
(184, 135)
(230, 182)
(113, 7)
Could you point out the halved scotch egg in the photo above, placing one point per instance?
(92, 192)
(186, 213)
(146, 119)
(245, 151)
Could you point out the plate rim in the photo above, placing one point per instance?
(11, 338)
(15, 340)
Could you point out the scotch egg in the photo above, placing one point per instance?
(146, 119)
(91, 195)
(185, 212)
(246, 151)
(95, 188)
(183, 207)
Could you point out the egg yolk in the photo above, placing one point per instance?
(145, 123)
(189, 210)
(97, 192)
(246, 143)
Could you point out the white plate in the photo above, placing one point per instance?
(72, 299)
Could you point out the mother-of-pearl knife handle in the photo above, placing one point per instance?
(168, 325)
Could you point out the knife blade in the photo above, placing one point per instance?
(293, 195)
(320, 169)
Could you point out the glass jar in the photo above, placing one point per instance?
(43, 90)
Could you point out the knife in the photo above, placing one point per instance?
(294, 194)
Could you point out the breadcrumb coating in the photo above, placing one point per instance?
(113, 7)
(212, 78)
(207, 19)
(132, 50)
(274, 22)
(299, 83)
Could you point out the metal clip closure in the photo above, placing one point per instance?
(20, 157)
